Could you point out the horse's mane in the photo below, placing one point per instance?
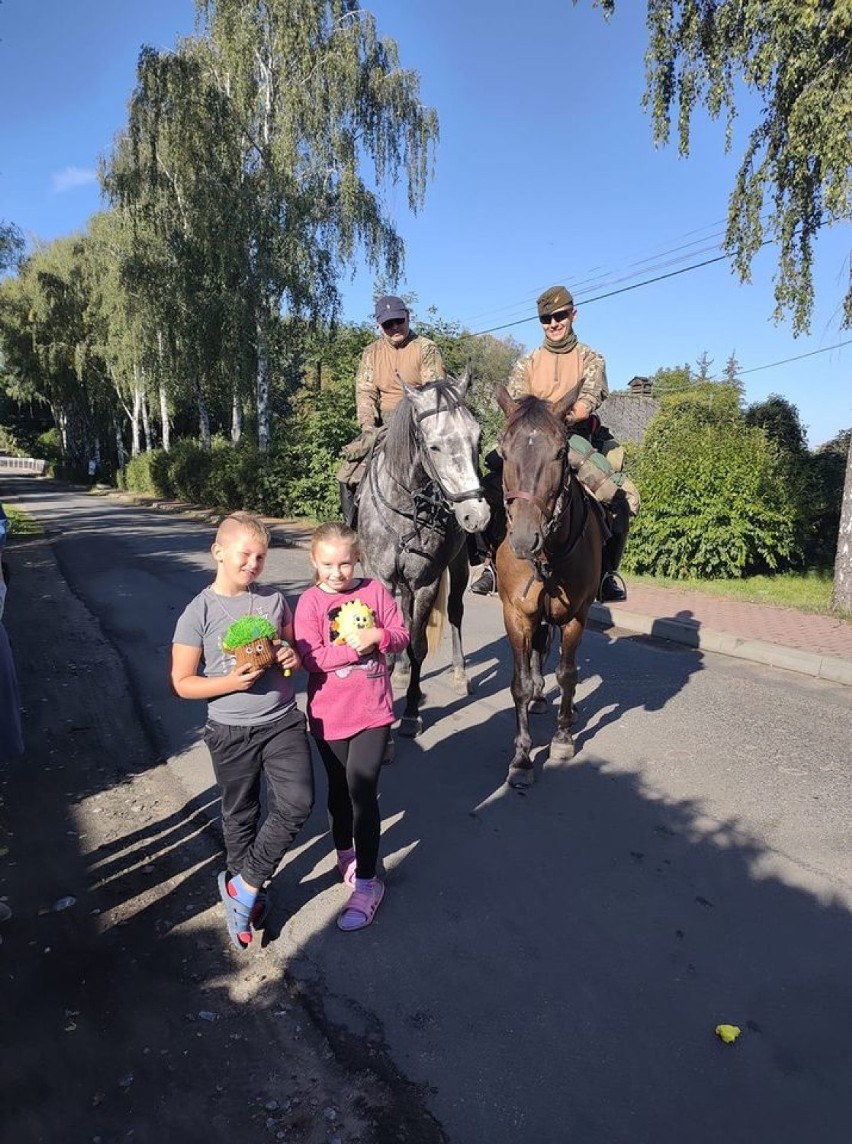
(400, 447)
(534, 413)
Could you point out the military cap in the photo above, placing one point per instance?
(390, 307)
(553, 299)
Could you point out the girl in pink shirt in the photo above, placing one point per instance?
(350, 704)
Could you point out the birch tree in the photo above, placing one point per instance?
(326, 120)
(174, 173)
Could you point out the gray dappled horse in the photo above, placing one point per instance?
(548, 566)
(420, 495)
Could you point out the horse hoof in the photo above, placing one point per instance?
(410, 728)
(461, 685)
(560, 753)
(537, 707)
(519, 778)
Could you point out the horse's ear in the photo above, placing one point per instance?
(464, 381)
(505, 401)
(560, 408)
(411, 390)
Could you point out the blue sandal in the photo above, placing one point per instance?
(260, 910)
(237, 915)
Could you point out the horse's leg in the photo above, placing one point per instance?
(411, 724)
(402, 663)
(562, 744)
(540, 647)
(459, 570)
(520, 634)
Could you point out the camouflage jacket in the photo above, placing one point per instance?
(582, 373)
(377, 387)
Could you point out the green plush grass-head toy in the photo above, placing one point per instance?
(250, 640)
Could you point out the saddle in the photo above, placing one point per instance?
(357, 453)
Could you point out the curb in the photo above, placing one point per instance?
(826, 667)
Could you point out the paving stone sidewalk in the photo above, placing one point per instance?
(780, 637)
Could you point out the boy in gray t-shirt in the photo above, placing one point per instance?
(253, 724)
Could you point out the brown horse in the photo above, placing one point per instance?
(548, 566)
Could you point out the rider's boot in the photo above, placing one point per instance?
(613, 588)
(348, 508)
(486, 582)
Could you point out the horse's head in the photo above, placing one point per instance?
(448, 436)
(534, 453)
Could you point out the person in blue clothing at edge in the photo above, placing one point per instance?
(563, 365)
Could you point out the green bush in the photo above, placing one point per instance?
(301, 477)
(189, 467)
(823, 480)
(147, 473)
(235, 476)
(49, 446)
(715, 502)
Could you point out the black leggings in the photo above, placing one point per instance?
(353, 766)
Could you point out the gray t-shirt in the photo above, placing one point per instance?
(203, 625)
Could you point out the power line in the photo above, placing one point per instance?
(594, 279)
(645, 282)
(800, 357)
(666, 390)
(612, 293)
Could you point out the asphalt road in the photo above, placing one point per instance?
(551, 966)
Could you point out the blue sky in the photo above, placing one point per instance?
(545, 173)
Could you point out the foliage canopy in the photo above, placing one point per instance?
(795, 56)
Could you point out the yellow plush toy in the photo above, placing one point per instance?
(354, 616)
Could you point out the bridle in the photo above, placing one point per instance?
(432, 504)
(453, 403)
(541, 564)
(551, 520)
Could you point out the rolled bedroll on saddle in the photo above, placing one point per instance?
(597, 473)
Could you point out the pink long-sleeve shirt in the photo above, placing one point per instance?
(347, 692)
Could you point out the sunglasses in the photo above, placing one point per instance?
(393, 323)
(559, 316)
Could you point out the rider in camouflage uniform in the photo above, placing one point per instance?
(396, 351)
(562, 365)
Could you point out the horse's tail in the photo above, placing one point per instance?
(435, 623)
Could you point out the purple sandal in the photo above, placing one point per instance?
(361, 908)
(346, 870)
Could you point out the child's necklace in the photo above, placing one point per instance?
(230, 614)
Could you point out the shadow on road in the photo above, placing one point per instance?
(563, 957)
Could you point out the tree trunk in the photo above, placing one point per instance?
(203, 415)
(119, 444)
(236, 417)
(262, 388)
(164, 419)
(146, 418)
(134, 418)
(164, 404)
(842, 594)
